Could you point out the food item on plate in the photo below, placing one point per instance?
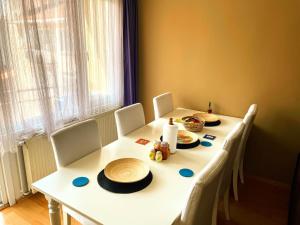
(208, 117)
(193, 123)
(182, 138)
(178, 120)
(191, 119)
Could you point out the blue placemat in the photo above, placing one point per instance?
(205, 143)
(80, 181)
(186, 172)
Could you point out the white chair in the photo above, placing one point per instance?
(162, 104)
(202, 199)
(231, 145)
(70, 144)
(129, 119)
(239, 161)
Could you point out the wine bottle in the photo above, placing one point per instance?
(209, 108)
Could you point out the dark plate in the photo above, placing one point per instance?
(186, 146)
(123, 188)
(212, 124)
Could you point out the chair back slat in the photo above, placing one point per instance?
(129, 119)
(163, 104)
(74, 142)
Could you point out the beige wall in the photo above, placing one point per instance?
(234, 53)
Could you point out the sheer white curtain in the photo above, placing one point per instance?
(60, 60)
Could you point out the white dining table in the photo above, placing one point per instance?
(159, 203)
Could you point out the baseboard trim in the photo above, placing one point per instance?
(275, 183)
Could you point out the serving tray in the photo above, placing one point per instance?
(126, 170)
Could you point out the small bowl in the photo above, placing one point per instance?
(194, 127)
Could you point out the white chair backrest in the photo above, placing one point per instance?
(202, 196)
(231, 145)
(74, 142)
(162, 104)
(248, 121)
(129, 119)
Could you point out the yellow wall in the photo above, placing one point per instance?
(233, 53)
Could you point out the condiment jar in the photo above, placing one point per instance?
(157, 145)
(164, 148)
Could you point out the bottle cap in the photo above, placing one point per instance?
(164, 144)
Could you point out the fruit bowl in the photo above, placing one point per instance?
(193, 124)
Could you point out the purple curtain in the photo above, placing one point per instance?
(130, 48)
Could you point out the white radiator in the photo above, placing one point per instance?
(38, 158)
(38, 154)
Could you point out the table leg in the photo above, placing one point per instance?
(54, 213)
(66, 218)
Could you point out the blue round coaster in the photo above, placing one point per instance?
(80, 181)
(205, 143)
(186, 172)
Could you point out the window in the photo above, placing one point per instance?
(60, 60)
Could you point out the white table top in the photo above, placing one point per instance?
(159, 203)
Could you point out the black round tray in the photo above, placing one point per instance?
(212, 124)
(186, 146)
(123, 188)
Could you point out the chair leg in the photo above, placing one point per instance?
(226, 203)
(215, 211)
(66, 218)
(241, 171)
(235, 182)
